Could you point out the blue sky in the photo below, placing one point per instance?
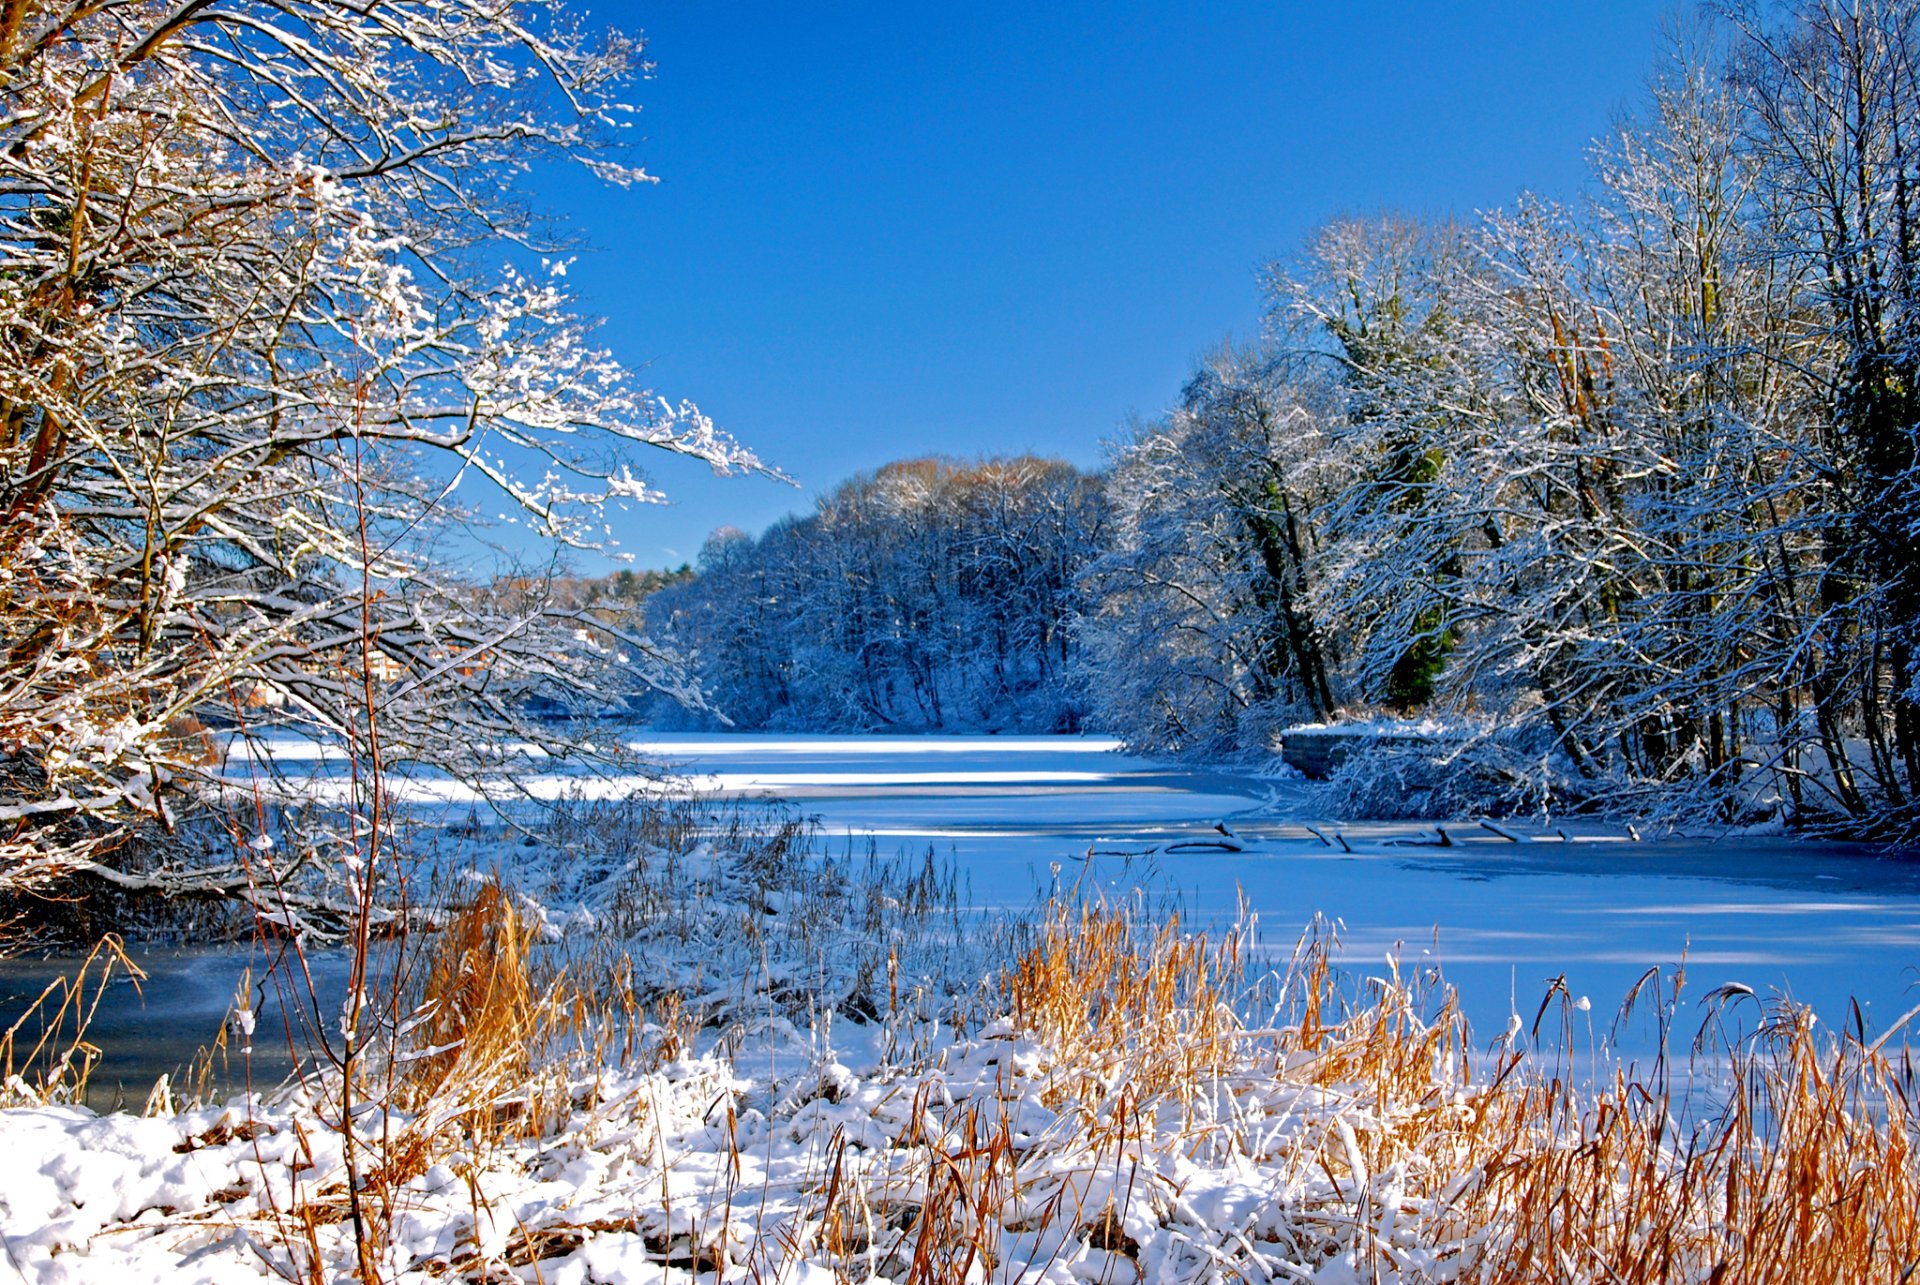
(885, 230)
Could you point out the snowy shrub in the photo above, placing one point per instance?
(1485, 774)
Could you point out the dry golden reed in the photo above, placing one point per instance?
(45, 1055)
(1501, 1168)
(1390, 1145)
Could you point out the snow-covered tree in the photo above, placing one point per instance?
(269, 304)
(1385, 307)
(1830, 107)
(928, 594)
(1668, 388)
(1202, 633)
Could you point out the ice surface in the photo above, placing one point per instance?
(1825, 923)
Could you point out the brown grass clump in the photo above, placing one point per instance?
(1415, 1159)
(502, 1026)
(1165, 1011)
(45, 1055)
(498, 1053)
(484, 1007)
(1807, 1173)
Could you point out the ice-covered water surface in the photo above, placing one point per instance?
(1823, 923)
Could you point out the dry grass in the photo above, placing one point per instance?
(45, 1055)
(743, 908)
(493, 1051)
(1163, 1014)
(1514, 1174)
(493, 1056)
(1390, 1148)
(1807, 1174)
(485, 1015)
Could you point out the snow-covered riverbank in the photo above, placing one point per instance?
(1118, 1121)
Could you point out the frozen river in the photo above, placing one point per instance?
(1825, 923)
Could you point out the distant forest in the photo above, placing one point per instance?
(1621, 497)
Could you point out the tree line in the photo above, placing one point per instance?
(1621, 493)
(927, 594)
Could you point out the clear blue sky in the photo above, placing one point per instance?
(891, 229)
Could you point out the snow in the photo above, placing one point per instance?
(730, 1145)
(683, 1163)
(1384, 726)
